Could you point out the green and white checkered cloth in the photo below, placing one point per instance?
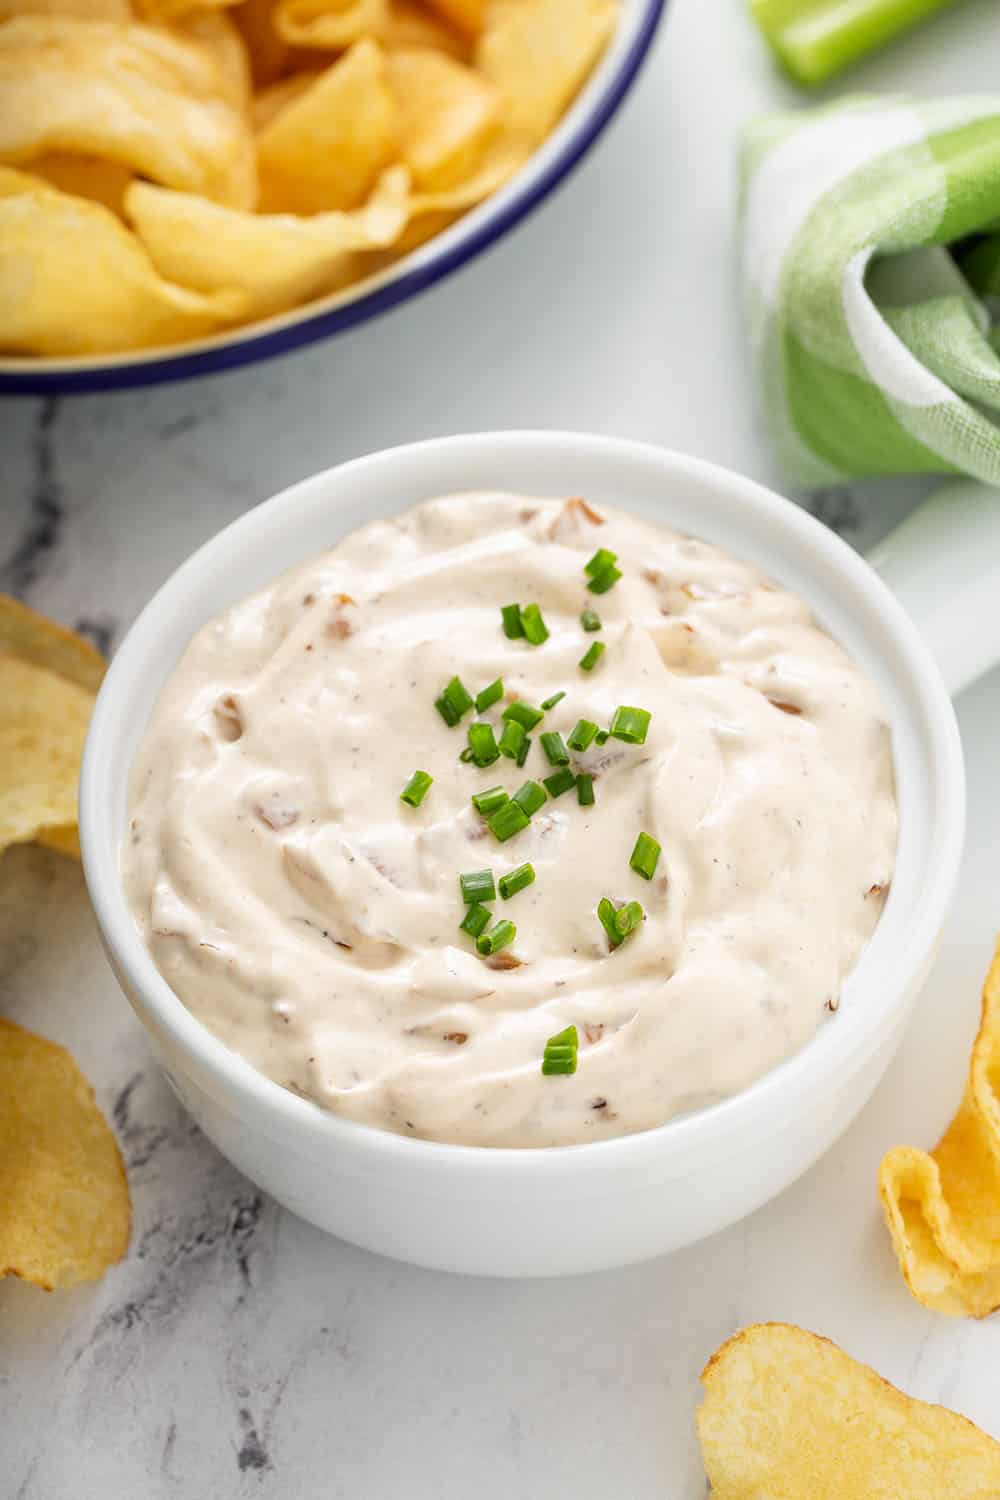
(873, 351)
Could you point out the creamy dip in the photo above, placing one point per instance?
(310, 918)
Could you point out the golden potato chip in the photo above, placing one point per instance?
(274, 261)
(49, 306)
(269, 53)
(331, 24)
(467, 15)
(270, 101)
(223, 41)
(169, 12)
(39, 640)
(408, 24)
(84, 177)
(65, 1212)
(325, 149)
(539, 52)
(43, 723)
(93, 10)
(132, 94)
(446, 113)
(789, 1416)
(943, 1209)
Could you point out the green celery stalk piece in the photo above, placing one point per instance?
(816, 38)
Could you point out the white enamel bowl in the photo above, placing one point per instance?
(578, 1208)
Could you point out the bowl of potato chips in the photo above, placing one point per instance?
(189, 185)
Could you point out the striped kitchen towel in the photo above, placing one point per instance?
(871, 267)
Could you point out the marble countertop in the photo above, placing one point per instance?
(237, 1351)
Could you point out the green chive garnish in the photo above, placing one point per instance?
(601, 737)
(628, 918)
(516, 881)
(454, 702)
(508, 820)
(604, 581)
(522, 754)
(590, 620)
(560, 1052)
(512, 627)
(600, 562)
(512, 739)
(487, 802)
(630, 725)
(477, 886)
(534, 627)
(560, 781)
(585, 789)
(489, 696)
(415, 789)
(465, 755)
(529, 797)
(644, 856)
(583, 734)
(475, 919)
(555, 749)
(551, 702)
(592, 655)
(523, 713)
(482, 743)
(501, 935)
(607, 914)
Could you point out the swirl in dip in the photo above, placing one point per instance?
(310, 917)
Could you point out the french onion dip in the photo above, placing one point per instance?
(310, 916)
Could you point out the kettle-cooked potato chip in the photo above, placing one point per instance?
(65, 1212)
(85, 177)
(47, 304)
(37, 639)
(446, 113)
(408, 24)
(272, 260)
(222, 39)
(325, 149)
(943, 1209)
(331, 24)
(269, 52)
(789, 1416)
(539, 52)
(468, 15)
(133, 94)
(268, 102)
(92, 10)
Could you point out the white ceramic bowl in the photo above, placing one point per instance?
(578, 1208)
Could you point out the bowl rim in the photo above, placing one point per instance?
(476, 231)
(282, 1114)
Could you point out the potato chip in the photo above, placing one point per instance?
(326, 148)
(39, 640)
(269, 53)
(92, 10)
(85, 177)
(943, 1209)
(539, 52)
(65, 1212)
(270, 101)
(132, 94)
(446, 113)
(467, 15)
(331, 24)
(273, 260)
(410, 25)
(48, 306)
(223, 41)
(789, 1416)
(169, 12)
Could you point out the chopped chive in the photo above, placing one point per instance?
(583, 734)
(607, 914)
(560, 781)
(512, 627)
(415, 789)
(477, 887)
(487, 802)
(601, 560)
(628, 918)
(522, 754)
(454, 702)
(535, 629)
(475, 919)
(644, 856)
(585, 789)
(501, 935)
(592, 655)
(555, 750)
(482, 743)
(590, 619)
(604, 580)
(512, 739)
(561, 1052)
(489, 696)
(516, 881)
(465, 755)
(523, 713)
(551, 702)
(529, 797)
(630, 725)
(508, 820)
(601, 737)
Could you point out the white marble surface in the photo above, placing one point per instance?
(237, 1352)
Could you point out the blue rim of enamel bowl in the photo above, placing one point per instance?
(122, 373)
